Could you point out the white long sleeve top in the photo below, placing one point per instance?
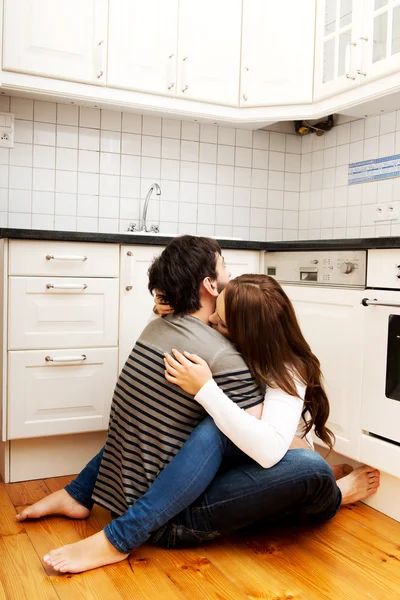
(265, 440)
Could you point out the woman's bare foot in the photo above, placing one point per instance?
(342, 470)
(94, 551)
(359, 484)
(58, 503)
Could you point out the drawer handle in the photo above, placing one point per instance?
(65, 257)
(66, 286)
(65, 358)
(375, 302)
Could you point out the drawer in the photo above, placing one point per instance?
(63, 259)
(70, 393)
(49, 312)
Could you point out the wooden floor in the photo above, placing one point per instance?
(354, 556)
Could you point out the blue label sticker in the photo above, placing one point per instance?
(374, 169)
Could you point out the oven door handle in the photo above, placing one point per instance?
(375, 302)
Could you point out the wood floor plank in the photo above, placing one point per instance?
(8, 523)
(57, 483)
(372, 519)
(27, 492)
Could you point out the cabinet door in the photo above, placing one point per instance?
(143, 44)
(71, 393)
(277, 52)
(332, 322)
(338, 28)
(379, 45)
(66, 40)
(209, 50)
(136, 303)
(240, 262)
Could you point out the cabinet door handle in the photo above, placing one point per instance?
(359, 48)
(375, 302)
(347, 60)
(65, 358)
(171, 71)
(65, 257)
(129, 286)
(185, 85)
(66, 286)
(102, 59)
(244, 84)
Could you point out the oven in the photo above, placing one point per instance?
(380, 413)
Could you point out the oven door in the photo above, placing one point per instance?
(380, 413)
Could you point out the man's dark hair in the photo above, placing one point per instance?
(179, 270)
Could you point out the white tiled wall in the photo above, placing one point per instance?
(89, 170)
(329, 208)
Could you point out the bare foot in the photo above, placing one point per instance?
(58, 503)
(94, 551)
(359, 484)
(342, 470)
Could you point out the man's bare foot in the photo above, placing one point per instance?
(359, 484)
(58, 503)
(342, 470)
(94, 551)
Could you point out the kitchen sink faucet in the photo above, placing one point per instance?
(153, 228)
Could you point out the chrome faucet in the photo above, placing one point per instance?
(153, 228)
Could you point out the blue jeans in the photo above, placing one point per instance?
(211, 488)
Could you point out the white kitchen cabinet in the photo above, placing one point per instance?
(277, 52)
(65, 40)
(209, 50)
(332, 322)
(143, 39)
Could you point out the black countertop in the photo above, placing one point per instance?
(152, 240)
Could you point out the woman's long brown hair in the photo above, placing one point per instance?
(262, 324)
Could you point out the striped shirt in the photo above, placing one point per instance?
(150, 418)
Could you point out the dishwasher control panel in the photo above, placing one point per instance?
(345, 268)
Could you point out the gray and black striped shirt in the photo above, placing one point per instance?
(151, 418)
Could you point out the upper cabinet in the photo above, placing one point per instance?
(277, 52)
(65, 40)
(357, 41)
(143, 38)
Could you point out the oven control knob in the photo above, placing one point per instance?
(346, 267)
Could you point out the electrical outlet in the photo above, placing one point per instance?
(387, 211)
(6, 130)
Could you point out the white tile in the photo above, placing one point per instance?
(131, 143)
(109, 185)
(67, 136)
(190, 131)
(170, 169)
(23, 131)
(330, 158)
(207, 193)
(304, 218)
(290, 219)
(89, 139)
(169, 212)
(352, 232)
(387, 123)
(67, 159)
(208, 133)
(353, 218)
(19, 220)
(206, 214)
(318, 142)
(224, 195)
(315, 199)
(372, 127)
(240, 232)
(275, 199)
(257, 234)
(241, 196)
(21, 155)
(130, 187)
(258, 198)
(64, 223)
(343, 134)
(277, 142)
(327, 234)
(276, 180)
(131, 123)
(44, 157)
(244, 138)
(170, 190)
(277, 161)
(223, 231)
(292, 163)
(46, 112)
(188, 192)
(108, 207)
(44, 180)
(258, 217)
(355, 194)
(328, 178)
(305, 182)
(43, 202)
(343, 155)
(289, 235)
(317, 160)
(171, 148)
(130, 165)
(88, 183)
(88, 206)
(190, 150)
(22, 108)
(151, 146)
(342, 174)
(66, 182)
(110, 141)
(273, 235)
(3, 199)
(111, 120)
(357, 130)
(206, 230)
(189, 171)
(226, 136)
(89, 117)
(208, 153)
(241, 216)
(223, 215)
(259, 178)
(330, 138)
(261, 140)
(86, 224)
(293, 143)
(207, 173)
(386, 144)
(151, 126)
(4, 103)
(225, 175)
(305, 166)
(66, 204)
(243, 157)
(226, 155)
(292, 182)
(20, 201)
(242, 176)
(291, 200)
(316, 180)
(110, 164)
(67, 114)
(89, 161)
(44, 133)
(369, 192)
(367, 215)
(171, 128)
(306, 144)
(20, 177)
(315, 219)
(187, 212)
(397, 142)
(260, 159)
(356, 152)
(151, 168)
(274, 218)
(187, 228)
(305, 198)
(382, 229)
(385, 190)
(45, 222)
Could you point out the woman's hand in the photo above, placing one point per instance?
(160, 308)
(189, 371)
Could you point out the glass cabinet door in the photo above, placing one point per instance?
(380, 54)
